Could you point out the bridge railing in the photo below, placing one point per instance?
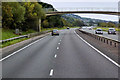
(81, 9)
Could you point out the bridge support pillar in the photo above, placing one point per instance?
(39, 27)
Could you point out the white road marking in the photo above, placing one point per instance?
(58, 43)
(57, 47)
(21, 49)
(55, 55)
(51, 72)
(98, 51)
(60, 40)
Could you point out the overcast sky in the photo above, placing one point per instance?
(69, 4)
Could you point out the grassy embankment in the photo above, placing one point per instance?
(8, 33)
(106, 28)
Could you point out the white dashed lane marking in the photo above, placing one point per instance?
(51, 72)
(55, 55)
(57, 47)
(58, 43)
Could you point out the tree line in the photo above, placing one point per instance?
(26, 15)
(22, 15)
(108, 24)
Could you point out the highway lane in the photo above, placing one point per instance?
(64, 56)
(34, 61)
(105, 34)
(78, 60)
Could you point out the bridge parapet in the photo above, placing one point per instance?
(81, 9)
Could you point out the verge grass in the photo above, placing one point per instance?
(9, 33)
(12, 42)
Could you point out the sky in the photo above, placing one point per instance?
(77, 4)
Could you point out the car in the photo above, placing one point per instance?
(90, 28)
(55, 32)
(84, 27)
(98, 31)
(68, 28)
(111, 31)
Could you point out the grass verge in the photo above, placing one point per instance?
(12, 42)
(9, 33)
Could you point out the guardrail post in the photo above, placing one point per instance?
(107, 41)
(94, 36)
(97, 37)
(101, 39)
(110, 42)
(115, 44)
(104, 40)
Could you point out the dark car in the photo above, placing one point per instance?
(55, 32)
(111, 31)
(98, 31)
(68, 28)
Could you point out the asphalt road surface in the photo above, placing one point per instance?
(63, 56)
(105, 34)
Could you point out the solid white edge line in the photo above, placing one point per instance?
(98, 51)
(51, 72)
(21, 49)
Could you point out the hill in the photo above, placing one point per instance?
(87, 21)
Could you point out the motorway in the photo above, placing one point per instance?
(105, 34)
(63, 56)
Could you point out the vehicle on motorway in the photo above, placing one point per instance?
(84, 27)
(98, 31)
(111, 31)
(68, 28)
(55, 32)
(90, 28)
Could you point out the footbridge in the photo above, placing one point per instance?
(86, 10)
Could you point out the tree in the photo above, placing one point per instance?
(55, 21)
(40, 12)
(7, 15)
(110, 24)
(78, 23)
(104, 24)
(18, 14)
(65, 22)
(119, 25)
(13, 14)
(46, 24)
(33, 13)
